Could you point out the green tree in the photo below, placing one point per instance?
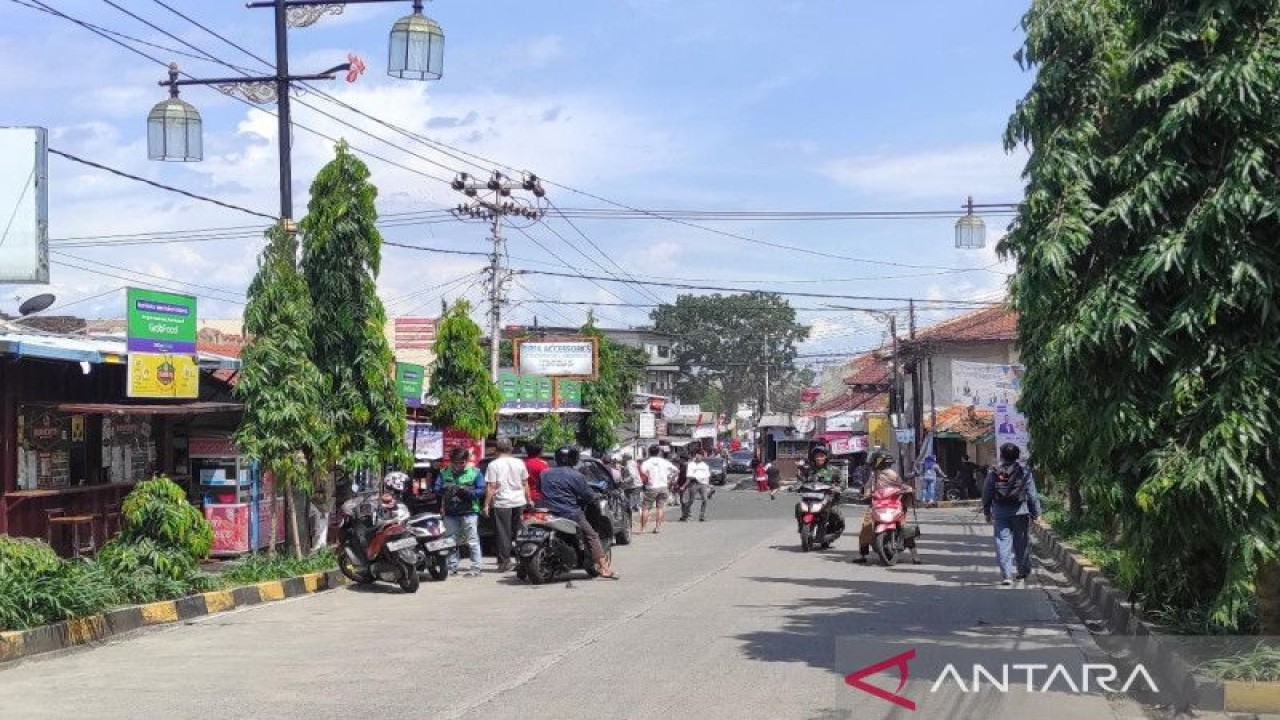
(284, 425)
(554, 432)
(601, 396)
(341, 259)
(1147, 263)
(726, 342)
(467, 399)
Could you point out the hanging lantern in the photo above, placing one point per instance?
(416, 47)
(971, 233)
(174, 128)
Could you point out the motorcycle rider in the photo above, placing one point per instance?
(819, 472)
(882, 475)
(565, 494)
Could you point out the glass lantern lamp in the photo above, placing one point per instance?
(174, 128)
(971, 231)
(416, 47)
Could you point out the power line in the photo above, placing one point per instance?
(179, 285)
(593, 244)
(161, 186)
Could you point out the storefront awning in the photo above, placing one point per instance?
(193, 408)
(93, 350)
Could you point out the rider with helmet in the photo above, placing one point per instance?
(565, 494)
(818, 471)
(882, 475)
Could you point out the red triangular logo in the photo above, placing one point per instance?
(904, 672)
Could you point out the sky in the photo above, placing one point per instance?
(708, 105)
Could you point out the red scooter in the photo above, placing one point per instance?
(375, 543)
(889, 513)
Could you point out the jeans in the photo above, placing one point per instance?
(1013, 545)
(928, 489)
(508, 522)
(697, 492)
(455, 525)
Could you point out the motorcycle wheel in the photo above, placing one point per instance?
(539, 568)
(409, 581)
(806, 537)
(438, 568)
(624, 536)
(888, 546)
(351, 571)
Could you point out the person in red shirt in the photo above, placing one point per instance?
(534, 463)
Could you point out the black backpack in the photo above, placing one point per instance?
(458, 499)
(1011, 483)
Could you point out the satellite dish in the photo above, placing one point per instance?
(804, 425)
(36, 304)
(670, 411)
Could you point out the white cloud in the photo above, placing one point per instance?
(983, 171)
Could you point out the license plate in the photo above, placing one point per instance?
(401, 544)
(442, 544)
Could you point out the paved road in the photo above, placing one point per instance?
(724, 619)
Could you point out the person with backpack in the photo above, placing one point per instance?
(461, 488)
(1011, 504)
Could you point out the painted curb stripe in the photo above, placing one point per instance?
(159, 612)
(313, 582)
(271, 590)
(219, 601)
(1247, 697)
(12, 645)
(86, 630)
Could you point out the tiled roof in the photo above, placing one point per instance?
(962, 420)
(995, 323)
(224, 349)
(852, 402)
(869, 369)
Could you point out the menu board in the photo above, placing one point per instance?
(44, 459)
(128, 452)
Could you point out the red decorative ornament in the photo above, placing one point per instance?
(357, 67)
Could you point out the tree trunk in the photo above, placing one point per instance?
(1075, 502)
(1267, 593)
(291, 515)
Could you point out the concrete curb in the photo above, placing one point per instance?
(20, 644)
(1153, 648)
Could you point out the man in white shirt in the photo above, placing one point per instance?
(506, 495)
(657, 473)
(699, 487)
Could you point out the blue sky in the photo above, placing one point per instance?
(697, 104)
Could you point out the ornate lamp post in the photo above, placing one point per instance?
(971, 230)
(174, 126)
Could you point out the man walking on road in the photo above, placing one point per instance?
(460, 487)
(506, 495)
(698, 485)
(1010, 502)
(657, 473)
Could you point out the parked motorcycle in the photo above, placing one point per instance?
(888, 512)
(375, 543)
(548, 546)
(614, 506)
(820, 521)
(434, 546)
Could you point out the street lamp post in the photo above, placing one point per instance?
(971, 230)
(174, 126)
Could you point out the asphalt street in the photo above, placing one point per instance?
(722, 619)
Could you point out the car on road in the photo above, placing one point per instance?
(740, 461)
(719, 470)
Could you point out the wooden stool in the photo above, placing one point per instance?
(111, 521)
(59, 518)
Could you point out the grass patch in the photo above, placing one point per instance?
(1086, 536)
(1261, 664)
(272, 566)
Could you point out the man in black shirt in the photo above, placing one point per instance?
(566, 494)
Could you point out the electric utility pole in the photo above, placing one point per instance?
(493, 200)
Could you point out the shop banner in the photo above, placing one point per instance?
(458, 438)
(153, 375)
(424, 441)
(879, 431)
(570, 393)
(849, 445)
(160, 322)
(409, 381)
(845, 422)
(574, 358)
(984, 385)
(230, 528)
(1011, 427)
(648, 426)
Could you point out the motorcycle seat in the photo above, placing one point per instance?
(561, 525)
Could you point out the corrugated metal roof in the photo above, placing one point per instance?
(95, 350)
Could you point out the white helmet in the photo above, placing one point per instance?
(395, 481)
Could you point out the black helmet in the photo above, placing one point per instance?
(817, 450)
(880, 460)
(567, 456)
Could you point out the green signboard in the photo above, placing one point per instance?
(409, 380)
(570, 394)
(160, 322)
(509, 385)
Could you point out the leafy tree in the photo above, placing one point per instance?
(467, 399)
(601, 396)
(284, 425)
(629, 364)
(726, 341)
(554, 432)
(341, 259)
(1148, 264)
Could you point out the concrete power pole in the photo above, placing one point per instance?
(493, 200)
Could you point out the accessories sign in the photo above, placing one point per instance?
(566, 358)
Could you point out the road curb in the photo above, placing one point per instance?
(1154, 649)
(19, 644)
